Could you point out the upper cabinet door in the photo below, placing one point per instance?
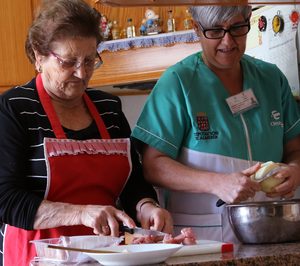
(15, 18)
(192, 2)
(145, 2)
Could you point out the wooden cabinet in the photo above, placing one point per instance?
(140, 64)
(138, 14)
(15, 18)
(119, 67)
(120, 3)
(126, 66)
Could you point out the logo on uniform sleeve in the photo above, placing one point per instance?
(204, 131)
(275, 119)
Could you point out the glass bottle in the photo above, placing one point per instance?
(187, 23)
(115, 31)
(130, 29)
(170, 22)
(123, 33)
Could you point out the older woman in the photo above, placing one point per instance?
(65, 154)
(210, 122)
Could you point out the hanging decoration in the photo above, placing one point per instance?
(262, 23)
(277, 23)
(294, 17)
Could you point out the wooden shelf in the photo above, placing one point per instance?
(131, 3)
(139, 64)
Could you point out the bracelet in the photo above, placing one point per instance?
(149, 201)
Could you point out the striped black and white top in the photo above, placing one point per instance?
(23, 177)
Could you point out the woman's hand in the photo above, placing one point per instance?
(105, 220)
(154, 217)
(102, 219)
(291, 176)
(237, 187)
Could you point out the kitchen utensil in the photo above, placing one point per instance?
(79, 242)
(266, 221)
(141, 231)
(220, 202)
(263, 178)
(204, 247)
(81, 249)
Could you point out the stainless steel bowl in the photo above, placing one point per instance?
(266, 221)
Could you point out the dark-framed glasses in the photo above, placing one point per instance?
(89, 63)
(218, 33)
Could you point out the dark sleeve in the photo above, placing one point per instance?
(137, 187)
(18, 205)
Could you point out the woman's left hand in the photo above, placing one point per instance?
(155, 218)
(291, 176)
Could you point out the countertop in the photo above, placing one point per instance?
(285, 254)
(246, 255)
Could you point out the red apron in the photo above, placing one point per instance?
(78, 172)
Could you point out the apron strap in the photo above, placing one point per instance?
(94, 112)
(54, 120)
(49, 109)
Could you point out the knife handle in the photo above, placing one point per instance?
(220, 202)
(125, 228)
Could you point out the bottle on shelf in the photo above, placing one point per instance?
(123, 34)
(170, 22)
(130, 29)
(115, 31)
(187, 22)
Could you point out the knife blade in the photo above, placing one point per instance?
(141, 231)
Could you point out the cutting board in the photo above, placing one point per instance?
(204, 247)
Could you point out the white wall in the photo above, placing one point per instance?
(132, 106)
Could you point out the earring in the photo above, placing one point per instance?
(40, 70)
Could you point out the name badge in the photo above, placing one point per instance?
(242, 102)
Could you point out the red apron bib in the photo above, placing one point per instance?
(78, 172)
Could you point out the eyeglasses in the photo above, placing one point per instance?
(89, 63)
(219, 33)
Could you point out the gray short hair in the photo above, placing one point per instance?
(210, 16)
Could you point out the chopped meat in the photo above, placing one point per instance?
(146, 239)
(187, 237)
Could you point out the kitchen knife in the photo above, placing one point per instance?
(220, 202)
(141, 231)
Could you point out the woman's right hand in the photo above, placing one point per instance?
(104, 220)
(237, 187)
